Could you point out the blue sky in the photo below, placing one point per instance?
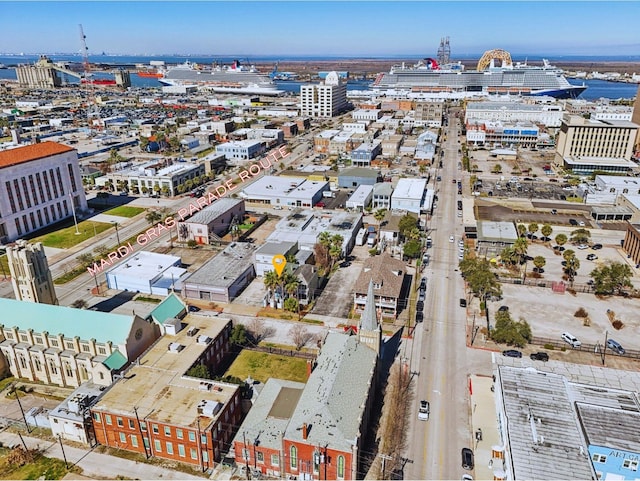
(321, 28)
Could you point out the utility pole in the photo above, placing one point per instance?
(15, 393)
(64, 456)
(245, 453)
(385, 458)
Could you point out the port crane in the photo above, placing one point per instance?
(92, 109)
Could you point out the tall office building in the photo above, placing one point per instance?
(324, 100)
(40, 185)
(30, 274)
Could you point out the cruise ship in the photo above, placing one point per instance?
(235, 78)
(495, 74)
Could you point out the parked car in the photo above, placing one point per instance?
(573, 222)
(539, 356)
(511, 353)
(592, 257)
(467, 458)
(615, 346)
(570, 339)
(452, 238)
(581, 223)
(463, 303)
(596, 247)
(503, 308)
(554, 211)
(582, 247)
(423, 411)
(420, 306)
(419, 316)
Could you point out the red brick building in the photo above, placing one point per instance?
(314, 431)
(157, 410)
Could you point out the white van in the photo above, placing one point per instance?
(570, 339)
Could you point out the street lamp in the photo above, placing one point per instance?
(117, 235)
(73, 209)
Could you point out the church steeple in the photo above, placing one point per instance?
(369, 330)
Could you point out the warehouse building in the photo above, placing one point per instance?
(212, 222)
(412, 195)
(147, 272)
(285, 191)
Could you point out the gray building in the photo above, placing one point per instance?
(382, 192)
(224, 277)
(494, 236)
(212, 221)
(352, 177)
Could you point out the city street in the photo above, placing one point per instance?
(440, 353)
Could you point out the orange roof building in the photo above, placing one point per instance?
(41, 186)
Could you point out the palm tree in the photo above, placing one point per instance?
(561, 239)
(520, 247)
(533, 228)
(413, 234)
(546, 231)
(292, 290)
(271, 280)
(522, 230)
(571, 268)
(539, 262)
(378, 216)
(568, 254)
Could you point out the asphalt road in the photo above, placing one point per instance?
(440, 354)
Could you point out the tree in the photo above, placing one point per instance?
(101, 250)
(480, 279)
(561, 239)
(79, 304)
(85, 259)
(568, 254)
(580, 236)
(611, 278)
(497, 169)
(509, 256)
(571, 268)
(259, 330)
(533, 228)
(199, 371)
(406, 223)
(291, 305)
(165, 190)
(238, 335)
(153, 217)
(513, 333)
(522, 230)
(378, 216)
(546, 231)
(412, 249)
(520, 247)
(299, 335)
(539, 262)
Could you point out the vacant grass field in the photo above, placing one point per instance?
(124, 211)
(261, 366)
(65, 238)
(41, 468)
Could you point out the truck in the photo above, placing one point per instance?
(361, 238)
(371, 239)
(328, 194)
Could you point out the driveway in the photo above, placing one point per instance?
(337, 298)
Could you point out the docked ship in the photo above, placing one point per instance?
(235, 78)
(149, 74)
(495, 74)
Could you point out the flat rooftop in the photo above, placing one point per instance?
(157, 386)
(215, 210)
(272, 186)
(489, 231)
(544, 437)
(410, 189)
(361, 193)
(604, 161)
(144, 265)
(223, 270)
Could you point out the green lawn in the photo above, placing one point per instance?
(65, 238)
(124, 211)
(42, 467)
(261, 366)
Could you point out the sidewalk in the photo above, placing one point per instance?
(484, 418)
(96, 464)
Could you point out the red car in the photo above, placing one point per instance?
(320, 204)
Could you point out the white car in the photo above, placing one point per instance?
(452, 238)
(423, 411)
(583, 247)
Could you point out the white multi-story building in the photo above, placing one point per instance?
(324, 100)
(549, 115)
(41, 185)
(612, 112)
(411, 195)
